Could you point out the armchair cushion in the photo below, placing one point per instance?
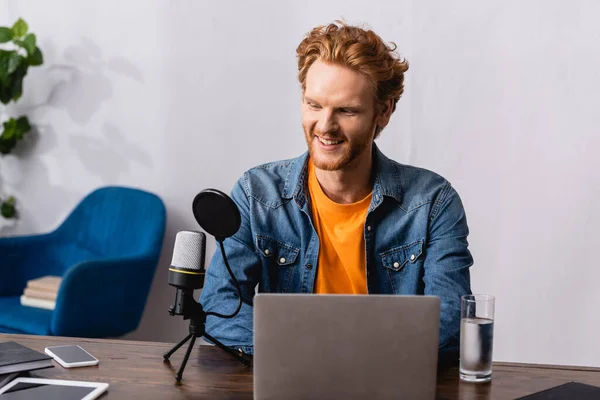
(14, 318)
(102, 298)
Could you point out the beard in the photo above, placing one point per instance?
(348, 152)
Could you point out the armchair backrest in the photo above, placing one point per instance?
(116, 221)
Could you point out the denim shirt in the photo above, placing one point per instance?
(415, 236)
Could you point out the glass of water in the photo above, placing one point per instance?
(476, 337)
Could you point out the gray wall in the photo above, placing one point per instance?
(177, 96)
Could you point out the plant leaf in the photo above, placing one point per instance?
(20, 28)
(4, 94)
(13, 62)
(7, 139)
(23, 126)
(14, 130)
(6, 34)
(29, 43)
(4, 58)
(16, 84)
(7, 208)
(36, 58)
(9, 129)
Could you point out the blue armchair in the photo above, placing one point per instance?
(106, 252)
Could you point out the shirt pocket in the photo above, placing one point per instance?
(279, 258)
(397, 258)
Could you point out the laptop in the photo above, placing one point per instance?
(372, 347)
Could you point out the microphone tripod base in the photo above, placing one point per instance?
(194, 333)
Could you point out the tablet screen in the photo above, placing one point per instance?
(29, 391)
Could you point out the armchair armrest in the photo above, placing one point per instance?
(103, 298)
(21, 259)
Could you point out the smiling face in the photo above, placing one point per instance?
(338, 116)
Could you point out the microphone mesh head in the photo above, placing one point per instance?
(188, 252)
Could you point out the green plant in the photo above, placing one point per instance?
(22, 53)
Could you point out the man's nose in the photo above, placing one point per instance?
(327, 122)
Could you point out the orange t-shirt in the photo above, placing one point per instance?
(342, 260)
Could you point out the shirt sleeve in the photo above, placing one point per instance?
(447, 263)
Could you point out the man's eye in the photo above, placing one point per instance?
(347, 111)
(313, 106)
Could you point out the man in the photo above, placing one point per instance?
(343, 218)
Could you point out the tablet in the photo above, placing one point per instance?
(51, 389)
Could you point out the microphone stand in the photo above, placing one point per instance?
(191, 309)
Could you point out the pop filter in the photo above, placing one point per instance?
(216, 213)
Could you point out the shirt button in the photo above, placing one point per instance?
(282, 260)
(412, 257)
(267, 252)
(396, 264)
(308, 266)
(369, 228)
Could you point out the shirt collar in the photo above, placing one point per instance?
(386, 182)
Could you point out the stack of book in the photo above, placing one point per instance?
(41, 292)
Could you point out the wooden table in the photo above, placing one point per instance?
(136, 370)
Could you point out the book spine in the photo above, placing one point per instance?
(43, 286)
(38, 303)
(40, 294)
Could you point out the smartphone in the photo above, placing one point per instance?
(71, 356)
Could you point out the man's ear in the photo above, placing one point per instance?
(384, 112)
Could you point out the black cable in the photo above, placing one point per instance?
(235, 283)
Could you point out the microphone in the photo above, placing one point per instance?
(218, 215)
(187, 272)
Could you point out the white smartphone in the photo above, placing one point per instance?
(71, 356)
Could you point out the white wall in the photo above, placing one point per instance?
(506, 101)
(178, 96)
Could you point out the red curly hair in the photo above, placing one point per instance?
(359, 49)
